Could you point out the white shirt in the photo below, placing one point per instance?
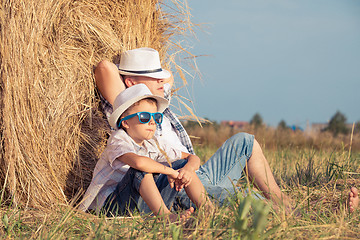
(168, 131)
(170, 135)
(109, 170)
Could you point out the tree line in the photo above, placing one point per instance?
(336, 125)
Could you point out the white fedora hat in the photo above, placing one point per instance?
(142, 62)
(130, 96)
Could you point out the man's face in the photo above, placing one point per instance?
(156, 86)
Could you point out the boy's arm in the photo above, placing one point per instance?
(193, 161)
(146, 164)
(187, 172)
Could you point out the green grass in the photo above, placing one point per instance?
(318, 181)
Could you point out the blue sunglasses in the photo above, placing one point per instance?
(144, 117)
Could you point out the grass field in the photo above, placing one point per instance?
(318, 179)
(51, 134)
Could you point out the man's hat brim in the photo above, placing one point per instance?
(158, 73)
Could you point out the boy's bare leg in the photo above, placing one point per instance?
(108, 80)
(151, 195)
(197, 193)
(353, 199)
(259, 171)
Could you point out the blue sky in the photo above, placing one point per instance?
(293, 60)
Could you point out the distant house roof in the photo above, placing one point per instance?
(234, 124)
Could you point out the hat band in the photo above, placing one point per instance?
(143, 72)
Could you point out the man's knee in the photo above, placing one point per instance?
(243, 142)
(243, 138)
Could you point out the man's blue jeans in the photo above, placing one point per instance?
(222, 171)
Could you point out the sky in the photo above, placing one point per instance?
(297, 61)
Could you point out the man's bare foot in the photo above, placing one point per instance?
(182, 217)
(353, 199)
(284, 204)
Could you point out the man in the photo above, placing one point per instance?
(241, 152)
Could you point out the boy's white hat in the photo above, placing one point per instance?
(130, 96)
(142, 62)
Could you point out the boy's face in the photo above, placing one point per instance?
(141, 131)
(156, 86)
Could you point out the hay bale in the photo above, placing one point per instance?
(52, 132)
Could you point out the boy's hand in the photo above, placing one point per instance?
(184, 178)
(172, 178)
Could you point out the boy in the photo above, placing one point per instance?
(135, 163)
